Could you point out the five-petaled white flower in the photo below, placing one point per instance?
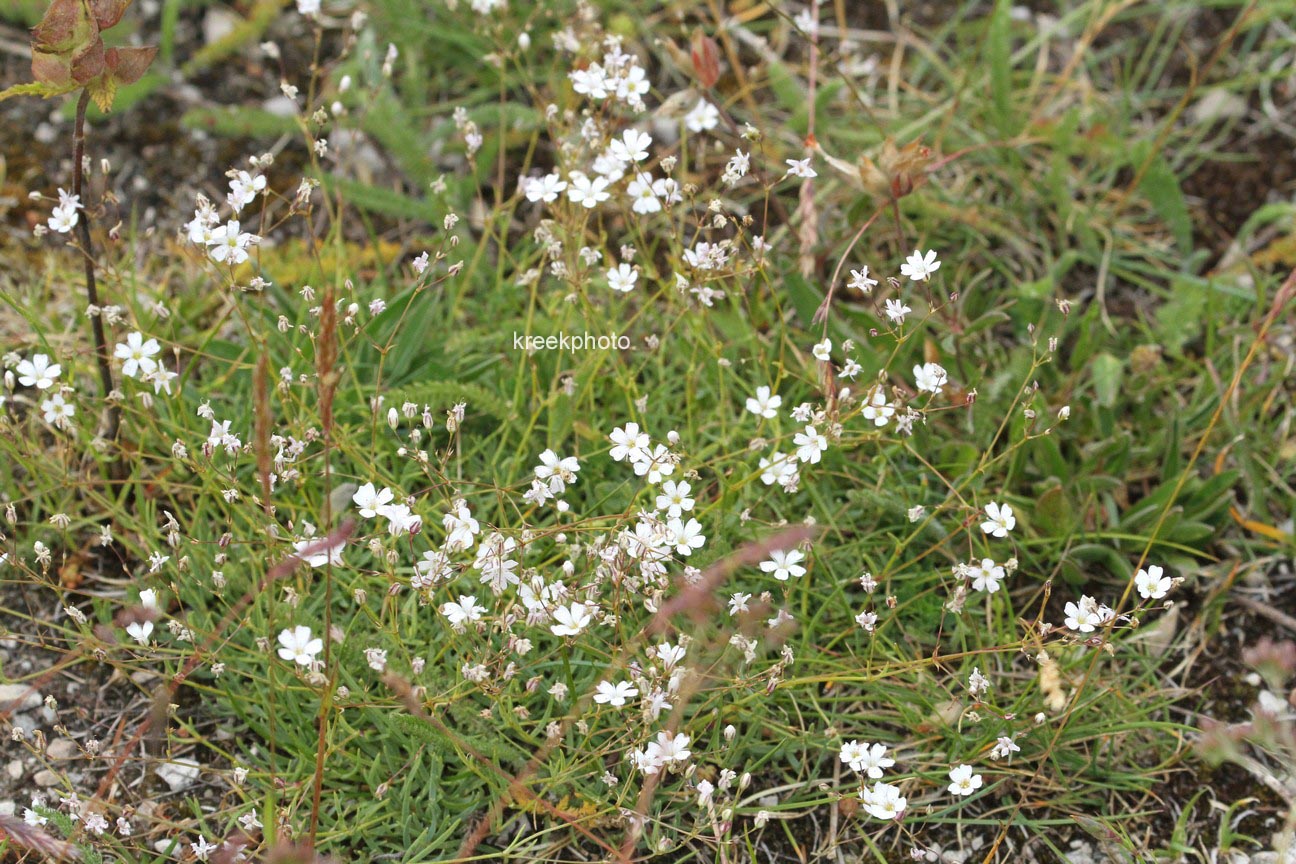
(571, 620)
(461, 611)
(999, 519)
(783, 565)
(57, 411)
(800, 168)
(371, 500)
(674, 498)
(861, 281)
(622, 278)
(764, 403)
(138, 355)
(963, 781)
(810, 445)
(884, 801)
(38, 372)
(546, 188)
(1151, 584)
(628, 443)
(870, 759)
(297, 645)
(685, 536)
(896, 310)
(586, 192)
(986, 576)
(919, 267)
(615, 695)
(930, 377)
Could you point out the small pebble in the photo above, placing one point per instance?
(61, 748)
(18, 697)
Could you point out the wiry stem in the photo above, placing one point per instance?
(112, 412)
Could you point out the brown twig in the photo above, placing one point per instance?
(112, 411)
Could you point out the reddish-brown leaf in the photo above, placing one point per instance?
(66, 24)
(706, 59)
(108, 12)
(50, 68)
(90, 62)
(127, 65)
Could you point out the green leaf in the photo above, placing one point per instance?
(1107, 372)
(1161, 187)
(999, 51)
(1179, 319)
(36, 88)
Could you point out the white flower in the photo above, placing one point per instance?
(685, 536)
(586, 192)
(764, 404)
(371, 500)
(591, 82)
(1004, 746)
(783, 565)
(897, 310)
(140, 631)
(400, 519)
(244, 186)
(999, 519)
(930, 377)
(229, 243)
(622, 278)
(919, 267)
(884, 801)
(963, 781)
(331, 553)
(309, 8)
(461, 611)
(654, 465)
(642, 193)
(986, 576)
(870, 759)
(674, 498)
(545, 188)
(38, 372)
(298, 646)
(632, 146)
(628, 442)
(823, 350)
(615, 694)
(800, 168)
(1087, 615)
(810, 445)
(571, 619)
(558, 472)
(779, 468)
(670, 748)
(57, 411)
(1151, 584)
(138, 354)
(877, 408)
(861, 281)
(705, 791)
(62, 219)
(703, 117)
(202, 848)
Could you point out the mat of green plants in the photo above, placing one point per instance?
(606, 431)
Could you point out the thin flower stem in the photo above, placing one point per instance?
(112, 411)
